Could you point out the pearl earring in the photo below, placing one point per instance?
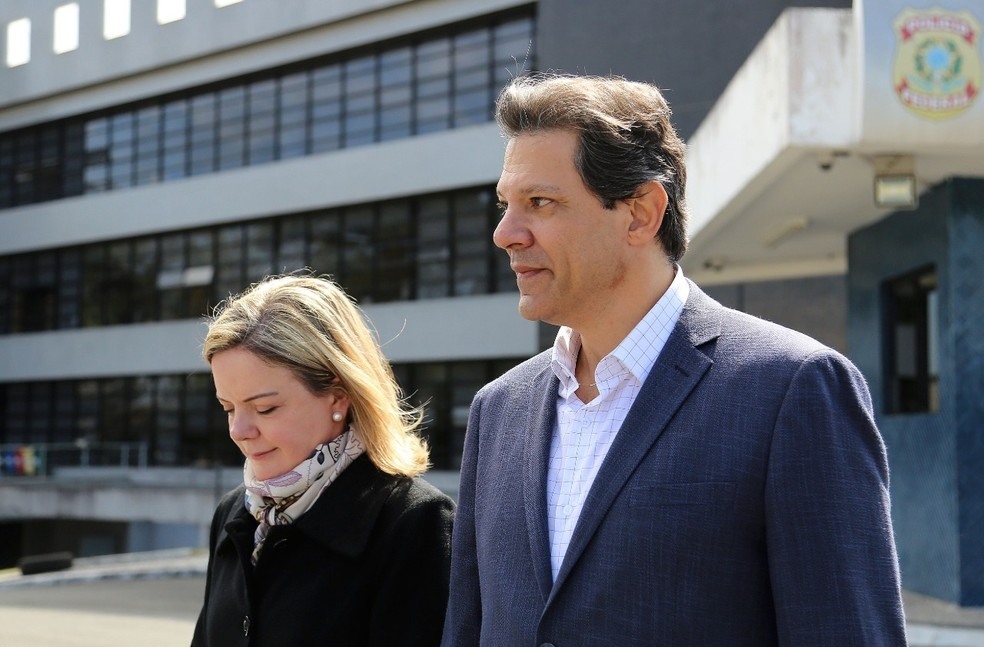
(337, 416)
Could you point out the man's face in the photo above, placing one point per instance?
(567, 250)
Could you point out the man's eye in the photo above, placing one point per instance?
(501, 206)
(540, 202)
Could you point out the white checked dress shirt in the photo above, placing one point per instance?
(585, 432)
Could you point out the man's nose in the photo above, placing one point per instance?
(511, 231)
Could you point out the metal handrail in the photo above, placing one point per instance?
(35, 459)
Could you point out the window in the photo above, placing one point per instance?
(910, 351)
(360, 100)
(198, 275)
(261, 131)
(116, 18)
(292, 115)
(391, 91)
(326, 108)
(179, 423)
(434, 247)
(174, 139)
(358, 251)
(394, 253)
(69, 289)
(433, 72)
(18, 42)
(95, 174)
(291, 250)
(325, 250)
(395, 93)
(116, 288)
(66, 28)
(229, 265)
(170, 11)
(472, 77)
(203, 143)
(472, 233)
(259, 251)
(425, 247)
(121, 151)
(148, 145)
(232, 127)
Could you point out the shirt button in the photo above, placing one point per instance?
(568, 509)
(246, 626)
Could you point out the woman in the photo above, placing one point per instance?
(331, 540)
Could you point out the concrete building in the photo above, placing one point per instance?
(156, 156)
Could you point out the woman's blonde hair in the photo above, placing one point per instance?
(310, 326)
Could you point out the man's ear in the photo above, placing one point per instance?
(647, 208)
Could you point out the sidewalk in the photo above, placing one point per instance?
(150, 599)
(107, 601)
(934, 622)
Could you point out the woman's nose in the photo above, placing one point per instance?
(241, 427)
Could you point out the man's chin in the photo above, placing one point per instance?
(530, 310)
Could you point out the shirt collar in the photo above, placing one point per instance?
(636, 354)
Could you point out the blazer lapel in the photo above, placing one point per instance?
(542, 401)
(678, 369)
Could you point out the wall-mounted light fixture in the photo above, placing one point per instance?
(783, 230)
(895, 181)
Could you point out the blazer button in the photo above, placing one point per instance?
(547, 645)
(246, 626)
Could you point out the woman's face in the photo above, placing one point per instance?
(273, 418)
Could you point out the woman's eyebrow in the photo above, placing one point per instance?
(260, 395)
(252, 397)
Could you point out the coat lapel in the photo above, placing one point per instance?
(678, 369)
(542, 407)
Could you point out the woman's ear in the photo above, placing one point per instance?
(647, 208)
(339, 400)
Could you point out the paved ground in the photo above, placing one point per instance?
(152, 600)
(104, 613)
(148, 600)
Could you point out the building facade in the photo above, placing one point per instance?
(156, 156)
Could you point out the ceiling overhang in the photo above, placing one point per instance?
(782, 170)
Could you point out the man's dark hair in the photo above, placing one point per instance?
(625, 138)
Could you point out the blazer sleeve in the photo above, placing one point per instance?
(830, 547)
(463, 623)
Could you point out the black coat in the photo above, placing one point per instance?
(366, 565)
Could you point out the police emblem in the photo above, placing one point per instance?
(937, 70)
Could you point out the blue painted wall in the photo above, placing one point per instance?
(936, 459)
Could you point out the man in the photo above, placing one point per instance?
(672, 472)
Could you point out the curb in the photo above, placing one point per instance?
(923, 635)
(149, 565)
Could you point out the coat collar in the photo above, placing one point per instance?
(357, 497)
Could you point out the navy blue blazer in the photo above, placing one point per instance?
(744, 501)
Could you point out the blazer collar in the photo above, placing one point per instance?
(541, 401)
(679, 368)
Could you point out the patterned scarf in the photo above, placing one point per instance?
(282, 499)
